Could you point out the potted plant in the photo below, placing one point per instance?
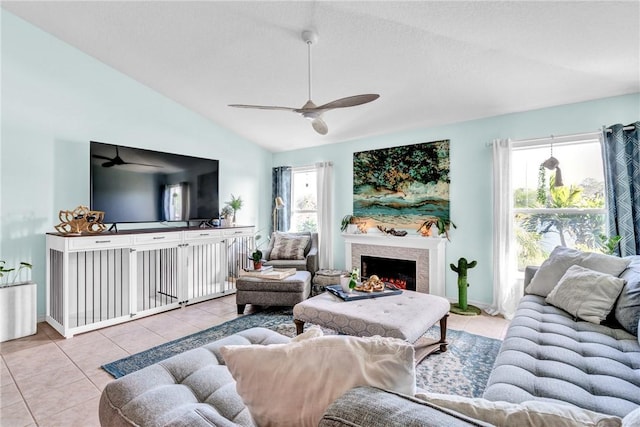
(351, 224)
(18, 302)
(235, 204)
(226, 213)
(256, 256)
(443, 225)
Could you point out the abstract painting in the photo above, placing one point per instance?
(402, 186)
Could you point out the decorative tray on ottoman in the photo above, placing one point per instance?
(389, 289)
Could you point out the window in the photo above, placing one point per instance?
(304, 209)
(547, 215)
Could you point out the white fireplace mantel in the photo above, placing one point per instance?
(434, 246)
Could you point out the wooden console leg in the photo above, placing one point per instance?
(299, 326)
(241, 308)
(443, 333)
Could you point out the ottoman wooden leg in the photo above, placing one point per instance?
(299, 326)
(443, 333)
(241, 308)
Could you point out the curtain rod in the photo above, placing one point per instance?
(555, 138)
(628, 127)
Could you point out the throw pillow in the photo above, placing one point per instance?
(561, 258)
(587, 294)
(632, 419)
(627, 311)
(312, 332)
(293, 384)
(289, 247)
(531, 413)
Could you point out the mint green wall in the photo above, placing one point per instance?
(55, 99)
(471, 169)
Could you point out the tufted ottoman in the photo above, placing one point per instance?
(193, 389)
(406, 316)
(281, 292)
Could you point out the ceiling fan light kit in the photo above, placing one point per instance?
(310, 110)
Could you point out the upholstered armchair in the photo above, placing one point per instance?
(293, 250)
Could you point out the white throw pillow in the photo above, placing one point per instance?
(532, 413)
(312, 332)
(632, 419)
(561, 258)
(587, 294)
(293, 384)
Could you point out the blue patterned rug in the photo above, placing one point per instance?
(463, 369)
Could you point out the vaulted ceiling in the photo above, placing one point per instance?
(431, 62)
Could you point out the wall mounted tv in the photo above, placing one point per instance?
(136, 185)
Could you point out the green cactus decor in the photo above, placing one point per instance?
(462, 307)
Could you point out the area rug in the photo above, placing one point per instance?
(463, 369)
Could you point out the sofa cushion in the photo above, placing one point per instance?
(586, 294)
(632, 419)
(278, 235)
(293, 384)
(627, 310)
(526, 414)
(561, 258)
(547, 355)
(373, 407)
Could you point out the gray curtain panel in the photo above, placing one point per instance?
(622, 177)
(281, 187)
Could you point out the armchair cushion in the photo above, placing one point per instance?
(310, 260)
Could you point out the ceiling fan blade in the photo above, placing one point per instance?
(142, 164)
(320, 126)
(98, 156)
(262, 107)
(349, 101)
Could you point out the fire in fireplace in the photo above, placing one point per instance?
(400, 272)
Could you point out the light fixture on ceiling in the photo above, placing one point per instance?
(309, 110)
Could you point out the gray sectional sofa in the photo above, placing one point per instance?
(550, 355)
(547, 356)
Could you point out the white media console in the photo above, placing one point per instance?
(104, 279)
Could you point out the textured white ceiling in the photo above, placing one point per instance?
(431, 62)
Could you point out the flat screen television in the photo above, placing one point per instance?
(136, 185)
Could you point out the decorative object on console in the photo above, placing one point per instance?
(400, 186)
(80, 220)
(278, 205)
(235, 204)
(462, 307)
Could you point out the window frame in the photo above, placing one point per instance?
(294, 211)
(517, 145)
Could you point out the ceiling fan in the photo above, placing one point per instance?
(117, 161)
(310, 110)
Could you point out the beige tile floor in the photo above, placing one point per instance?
(47, 380)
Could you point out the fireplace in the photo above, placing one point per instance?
(400, 272)
(427, 255)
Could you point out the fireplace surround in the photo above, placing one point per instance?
(427, 252)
